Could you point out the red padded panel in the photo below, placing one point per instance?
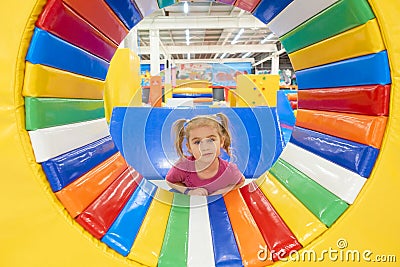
(100, 215)
(280, 240)
(102, 17)
(60, 20)
(366, 99)
(248, 5)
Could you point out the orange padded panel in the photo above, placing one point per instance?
(368, 130)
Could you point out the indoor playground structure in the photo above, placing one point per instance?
(190, 93)
(75, 192)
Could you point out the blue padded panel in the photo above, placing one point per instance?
(268, 9)
(126, 11)
(125, 228)
(285, 111)
(285, 114)
(191, 95)
(286, 133)
(226, 252)
(354, 156)
(66, 168)
(364, 70)
(279, 138)
(143, 135)
(49, 50)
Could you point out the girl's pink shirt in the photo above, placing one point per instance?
(184, 172)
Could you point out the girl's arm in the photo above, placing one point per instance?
(177, 186)
(229, 188)
(182, 188)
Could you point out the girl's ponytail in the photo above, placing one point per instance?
(179, 134)
(224, 125)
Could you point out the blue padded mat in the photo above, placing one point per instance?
(353, 156)
(125, 228)
(226, 252)
(126, 11)
(268, 9)
(49, 50)
(364, 70)
(143, 135)
(66, 168)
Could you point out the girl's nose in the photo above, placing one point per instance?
(207, 149)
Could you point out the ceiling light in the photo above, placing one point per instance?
(185, 7)
(246, 55)
(187, 37)
(235, 40)
(270, 36)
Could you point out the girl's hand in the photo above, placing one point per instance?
(198, 192)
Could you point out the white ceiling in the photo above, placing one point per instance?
(211, 27)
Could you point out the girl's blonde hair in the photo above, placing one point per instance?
(181, 129)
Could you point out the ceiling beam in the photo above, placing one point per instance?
(212, 49)
(228, 35)
(277, 53)
(209, 9)
(200, 22)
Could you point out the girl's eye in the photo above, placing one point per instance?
(196, 142)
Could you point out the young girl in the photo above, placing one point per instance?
(203, 172)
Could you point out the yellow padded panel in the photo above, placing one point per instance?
(192, 83)
(148, 243)
(303, 224)
(359, 41)
(44, 81)
(167, 91)
(188, 90)
(232, 98)
(256, 90)
(123, 82)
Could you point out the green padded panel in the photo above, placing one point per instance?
(340, 17)
(48, 112)
(174, 250)
(165, 3)
(323, 204)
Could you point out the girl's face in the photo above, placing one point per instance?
(205, 143)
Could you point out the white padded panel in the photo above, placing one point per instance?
(162, 184)
(180, 102)
(200, 247)
(50, 142)
(338, 180)
(147, 7)
(296, 13)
